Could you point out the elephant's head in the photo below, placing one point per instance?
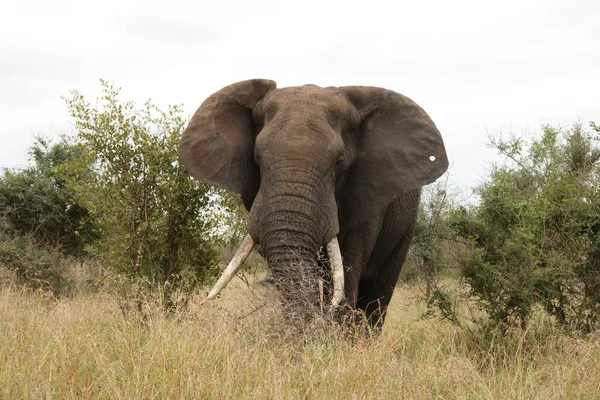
(310, 162)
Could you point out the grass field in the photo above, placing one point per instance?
(84, 347)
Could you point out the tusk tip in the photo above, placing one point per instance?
(337, 301)
(211, 296)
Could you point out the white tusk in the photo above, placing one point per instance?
(233, 267)
(321, 295)
(337, 270)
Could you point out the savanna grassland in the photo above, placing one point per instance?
(87, 346)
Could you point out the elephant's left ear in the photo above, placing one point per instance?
(399, 149)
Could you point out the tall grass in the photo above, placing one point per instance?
(84, 347)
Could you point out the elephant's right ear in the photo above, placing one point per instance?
(217, 147)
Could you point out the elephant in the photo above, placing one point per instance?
(339, 168)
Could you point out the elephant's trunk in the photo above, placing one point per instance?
(291, 235)
(297, 279)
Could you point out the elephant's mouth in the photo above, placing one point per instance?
(333, 250)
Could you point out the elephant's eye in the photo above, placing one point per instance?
(340, 161)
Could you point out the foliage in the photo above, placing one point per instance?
(35, 201)
(234, 218)
(426, 258)
(535, 236)
(156, 220)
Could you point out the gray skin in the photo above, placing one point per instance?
(312, 163)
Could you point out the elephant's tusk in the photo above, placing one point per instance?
(233, 267)
(321, 293)
(337, 269)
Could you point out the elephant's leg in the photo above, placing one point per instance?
(374, 252)
(357, 246)
(375, 292)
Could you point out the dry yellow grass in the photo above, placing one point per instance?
(85, 348)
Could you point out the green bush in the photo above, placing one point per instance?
(157, 222)
(35, 202)
(426, 257)
(534, 240)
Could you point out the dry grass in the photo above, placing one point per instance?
(85, 348)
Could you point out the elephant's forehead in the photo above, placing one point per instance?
(301, 119)
(306, 97)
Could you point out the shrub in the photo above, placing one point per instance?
(534, 235)
(35, 202)
(157, 222)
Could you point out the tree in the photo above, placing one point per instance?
(155, 218)
(35, 201)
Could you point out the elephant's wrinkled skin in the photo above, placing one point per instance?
(312, 163)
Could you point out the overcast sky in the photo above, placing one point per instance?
(476, 67)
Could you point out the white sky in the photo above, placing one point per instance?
(476, 67)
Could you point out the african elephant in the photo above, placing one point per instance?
(336, 167)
